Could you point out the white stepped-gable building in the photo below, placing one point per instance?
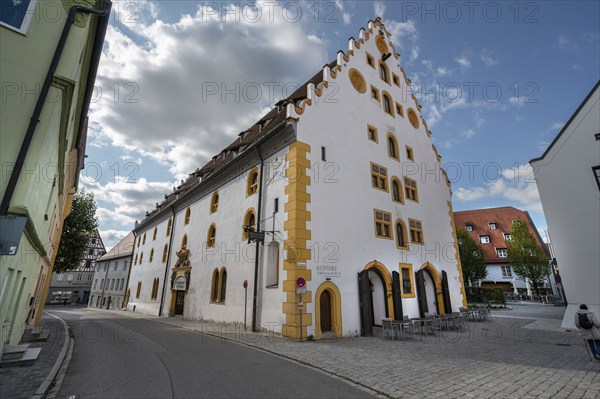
(347, 186)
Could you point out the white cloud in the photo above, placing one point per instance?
(487, 57)
(556, 126)
(443, 71)
(517, 101)
(123, 202)
(111, 237)
(180, 92)
(379, 9)
(514, 184)
(468, 133)
(463, 61)
(346, 17)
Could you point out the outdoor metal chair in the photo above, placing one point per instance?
(389, 328)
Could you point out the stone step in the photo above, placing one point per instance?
(36, 336)
(28, 359)
(14, 351)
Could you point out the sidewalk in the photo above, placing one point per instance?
(508, 357)
(23, 382)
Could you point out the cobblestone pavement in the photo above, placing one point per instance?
(504, 358)
(22, 382)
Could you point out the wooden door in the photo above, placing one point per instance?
(179, 301)
(366, 305)
(325, 311)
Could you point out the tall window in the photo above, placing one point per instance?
(401, 238)
(379, 177)
(139, 289)
(383, 224)
(184, 242)
(250, 221)
(406, 275)
(384, 73)
(139, 241)
(387, 103)
(151, 255)
(416, 231)
(144, 239)
(169, 225)
(214, 294)
(252, 186)
(410, 188)
(214, 202)
(223, 286)
(136, 259)
(397, 190)
(211, 236)
(188, 214)
(154, 293)
(165, 253)
(154, 234)
(370, 60)
(393, 147)
(141, 258)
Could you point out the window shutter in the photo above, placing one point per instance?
(397, 296)
(446, 293)
(421, 294)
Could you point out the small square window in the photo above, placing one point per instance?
(492, 226)
(469, 227)
(396, 79)
(399, 110)
(507, 237)
(372, 133)
(383, 224)
(375, 93)
(484, 239)
(409, 153)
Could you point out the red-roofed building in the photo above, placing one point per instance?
(491, 229)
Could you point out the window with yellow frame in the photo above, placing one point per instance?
(372, 133)
(370, 60)
(411, 190)
(407, 281)
(379, 177)
(154, 234)
(416, 231)
(169, 226)
(211, 237)
(214, 202)
(165, 253)
(383, 224)
(188, 214)
(252, 186)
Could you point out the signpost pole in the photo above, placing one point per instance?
(300, 307)
(245, 302)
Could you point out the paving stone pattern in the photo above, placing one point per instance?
(22, 382)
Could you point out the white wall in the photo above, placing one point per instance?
(343, 200)
(571, 201)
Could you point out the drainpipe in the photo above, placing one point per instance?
(162, 295)
(129, 273)
(104, 285)
(256, 253)
(34, 120)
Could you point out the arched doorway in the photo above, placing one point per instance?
(432, 291)
(325, 316)
(328, 309)
(375, 297)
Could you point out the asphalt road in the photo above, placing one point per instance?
(120, 357)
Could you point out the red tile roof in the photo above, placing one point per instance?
(480, 219)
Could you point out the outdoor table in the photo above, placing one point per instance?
(423, 322)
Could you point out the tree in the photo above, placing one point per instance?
(528, 260)
(471, 258)
(78, 229)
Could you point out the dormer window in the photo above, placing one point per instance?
(469, 227)
(484, 239)
(492, 226)
(507, 237)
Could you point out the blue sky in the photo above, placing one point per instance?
(497, 81)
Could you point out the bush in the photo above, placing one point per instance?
(485, 295)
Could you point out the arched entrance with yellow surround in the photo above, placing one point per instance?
(328, 310)
(375, 296)
(421, 281)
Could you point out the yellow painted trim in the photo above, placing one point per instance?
(370, 60)
(399, 109)
(416, 229)
(387, 277)
(415, 189)
(295, 246)
(252, 189)
(336, 309)
(211, 236)
(412, 294)
(249, 212)
(458, 262)
(387, 72)
(410, 153)
(214, 202)
(438, 285)
(377, 92)
(186, 220)
(385, 94)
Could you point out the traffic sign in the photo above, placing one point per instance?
(245, 283)
(300, 305)
(300, 282)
